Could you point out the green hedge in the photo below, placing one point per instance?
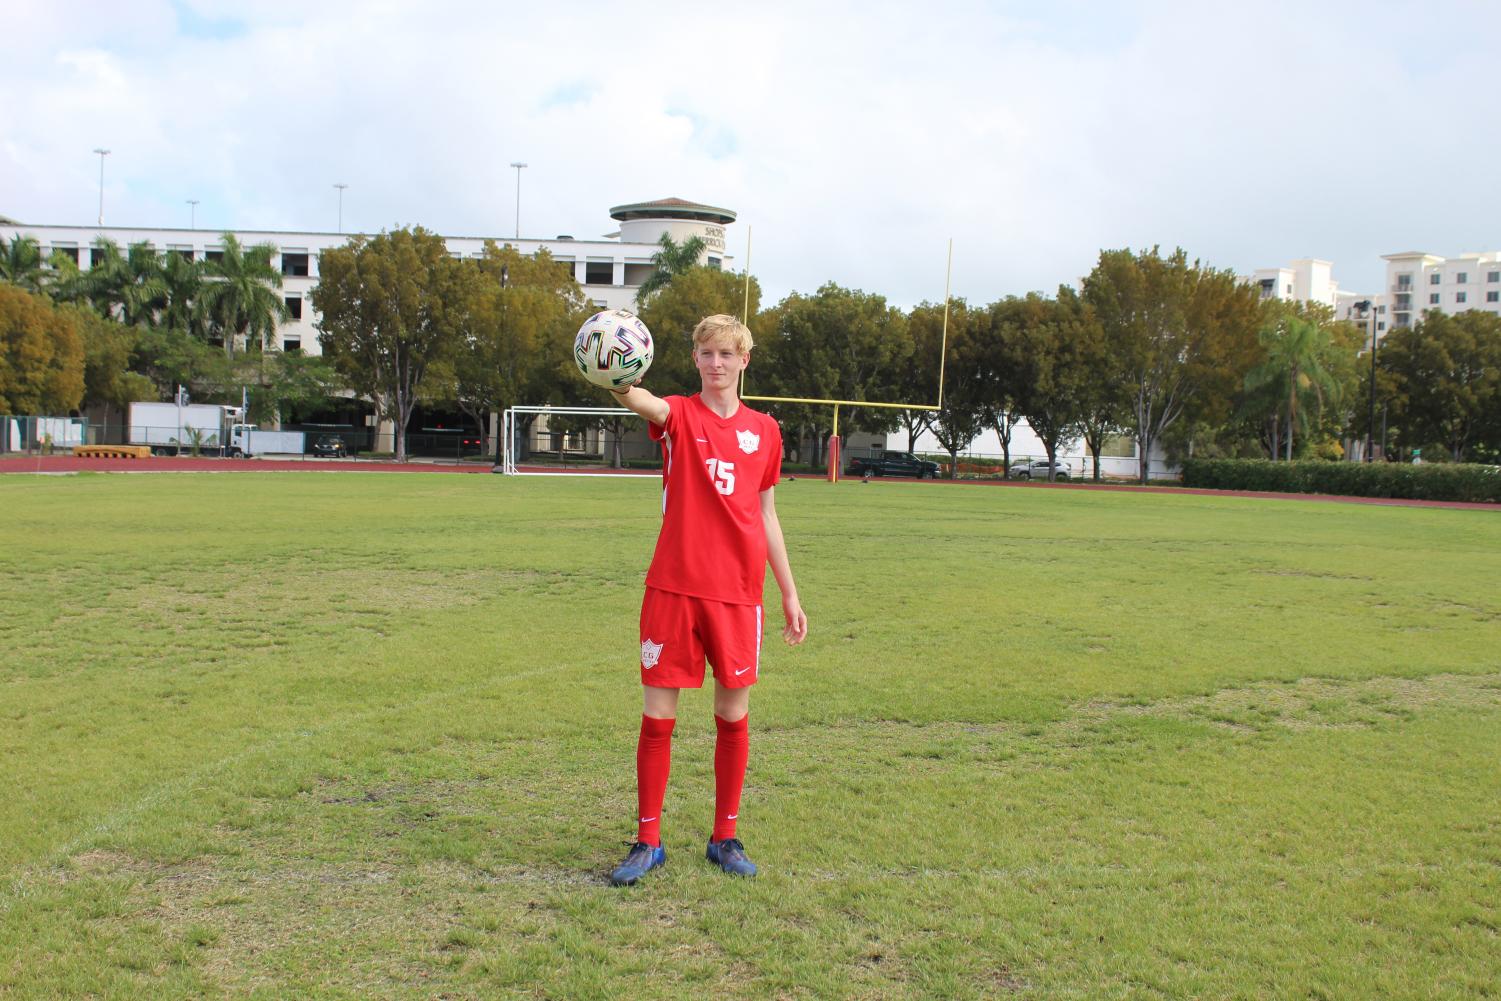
(1445, 482)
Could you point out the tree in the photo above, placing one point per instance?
(241, 295)
(1050, 350)
(108, 347)
(1180, 336)
(183, 303)
(676, 309)
(521, 308)
(1296, 375)
(127, 286)
(21, 263)
(392, 305)
(669, 262)
(967, 383)
(837, 344)
(286, 382)
(1447, 371)
(41, 355)
(918, 380)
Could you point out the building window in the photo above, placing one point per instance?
(1433, 299)
(294, 306)
(599, 273)
(1493, 297)
(1462, 277)
(292, 345)
(1404, 281)
(1289, 289)
(1493, 276)
(714, 263)
(1381, 325)
(186, 253)
(1381, 309)
(213, 256)
(294, 265)
(1459, 297)
(1404, 301)
(71, 253)
(95, 256)
(1435, 278)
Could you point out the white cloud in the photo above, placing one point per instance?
(855, 138)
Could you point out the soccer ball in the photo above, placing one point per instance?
(613, 349)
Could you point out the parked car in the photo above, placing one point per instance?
(330, 446)
(886, 463)
(1037, 469)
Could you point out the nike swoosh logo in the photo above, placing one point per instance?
(704, 440)
(743, 670)
(732, 816)
(647, 820)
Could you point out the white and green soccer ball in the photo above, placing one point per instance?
(613, 348)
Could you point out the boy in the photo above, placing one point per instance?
(721, 462)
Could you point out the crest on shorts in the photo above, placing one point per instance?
(749, 441)
(649, 653)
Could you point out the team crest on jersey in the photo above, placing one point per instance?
(749, 441)
(649, 653)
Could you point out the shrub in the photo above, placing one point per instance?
(1449, 482)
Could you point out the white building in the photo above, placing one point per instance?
(610, 268)
(1418, 281)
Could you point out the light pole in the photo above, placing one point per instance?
(341, 186)
(505, 279)
(1370, 432)
(518, 167)
(193, 213)
(102, 154)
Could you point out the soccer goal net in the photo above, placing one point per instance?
(576, 441)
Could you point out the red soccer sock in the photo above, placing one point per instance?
(731, 751)
(653, 762)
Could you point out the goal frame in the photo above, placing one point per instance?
(508, 427)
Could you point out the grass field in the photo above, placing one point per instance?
(355, 736)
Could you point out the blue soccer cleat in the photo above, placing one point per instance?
(729, 855)
(641, 859)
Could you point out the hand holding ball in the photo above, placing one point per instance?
(613, 349)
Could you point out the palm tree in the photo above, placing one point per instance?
(241, 294)
(1296, 371)
(128, 286)
(673, 259)
(21, 263)
(182, 303)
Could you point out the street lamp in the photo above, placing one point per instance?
(102, 154)
(518, 167)
(1365, 307)
(341, 186)
(193, 213)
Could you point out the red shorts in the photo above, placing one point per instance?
(679, 631)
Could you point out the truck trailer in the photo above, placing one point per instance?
(169, 429)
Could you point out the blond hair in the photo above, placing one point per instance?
(721, 325)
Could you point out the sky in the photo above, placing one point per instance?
(855, 140)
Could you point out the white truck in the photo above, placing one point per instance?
(206, 428)
(170, 429)
(247, 440)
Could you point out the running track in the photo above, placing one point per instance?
(160, 464)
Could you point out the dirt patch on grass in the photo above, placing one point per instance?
(1320, 703)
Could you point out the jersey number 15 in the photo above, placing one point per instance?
(723, 475)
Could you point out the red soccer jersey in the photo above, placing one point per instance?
(713, 544)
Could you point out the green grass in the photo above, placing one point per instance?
(352, 736)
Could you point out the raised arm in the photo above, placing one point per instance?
(644, 403)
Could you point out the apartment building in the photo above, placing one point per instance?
(1419, 281)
